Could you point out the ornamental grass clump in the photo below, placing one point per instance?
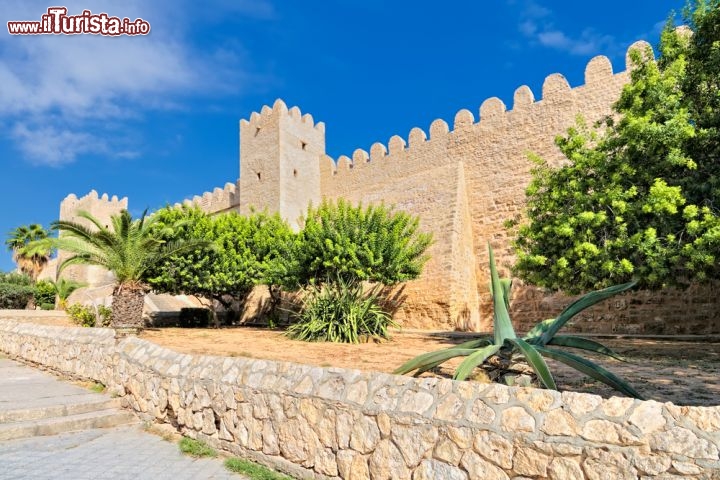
(341, 311)
(502, 352)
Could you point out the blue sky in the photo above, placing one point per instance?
(156, 118)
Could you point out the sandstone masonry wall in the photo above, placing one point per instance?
(220, 200)
(330, 423)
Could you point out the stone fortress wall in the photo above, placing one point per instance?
(333, 423)
(464, 184)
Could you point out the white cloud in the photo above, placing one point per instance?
(587, 44)
(536, 23)
(62, 85)
(53, 147)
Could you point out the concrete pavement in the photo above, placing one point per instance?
(50, 429)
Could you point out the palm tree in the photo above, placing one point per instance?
(127, 249)
(31, 248)
(63, 289)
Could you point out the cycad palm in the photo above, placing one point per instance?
(128, 248)
(63, 289)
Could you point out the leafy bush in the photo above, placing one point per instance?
(342, 241)
(14, 278)
(47, 306)
(341, 311)
(504, 346)
(44, 294)
(194, 317)
(637, 198)
(340, 247)
(16, 290)
(15, 296)
(105, 315)
(84, 315)
(237, 254)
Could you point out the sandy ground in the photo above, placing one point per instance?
(685, 373)
(682, 372)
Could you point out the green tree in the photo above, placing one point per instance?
(241, 250)
(637, 199)
(356, 243)
(31, 248)
(128, 248)
(340, 247)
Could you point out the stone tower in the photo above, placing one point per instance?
(102, 208)
(280, 153)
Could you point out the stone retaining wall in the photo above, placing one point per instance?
(334, 423)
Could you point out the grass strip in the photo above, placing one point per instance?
(253, 470)
(196, 448)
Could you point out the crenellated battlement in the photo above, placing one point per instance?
(492, 114)
(279, 110)
(92, 197)
(94, 203)
(219, 200)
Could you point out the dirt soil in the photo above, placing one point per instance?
(682, 372)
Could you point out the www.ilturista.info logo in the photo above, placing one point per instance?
(57, 21)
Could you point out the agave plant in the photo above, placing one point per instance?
(504, 346)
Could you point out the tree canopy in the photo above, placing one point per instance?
(31, 247)
(128, 248)
(239, 253)
(340, 241)
(639, 197)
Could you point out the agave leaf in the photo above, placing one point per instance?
(439, 356)
(479, 342)
(538, 330)
(474, 360)
(536, 362)
(581, 304)
(584, 344)
(506, 286)
(502, 325)
(475, 343)
(591, 369)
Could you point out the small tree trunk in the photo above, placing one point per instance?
(127, 306)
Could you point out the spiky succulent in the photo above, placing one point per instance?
(535, 345)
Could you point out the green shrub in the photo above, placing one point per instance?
(194, 318)
(16, 290)
(340, 240)
(340, 311)
(105, 313)
(44, 294)
(504, 346)
(47, 306)
(84, 315)
(15, 296)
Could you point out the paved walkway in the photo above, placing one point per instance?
(126, 452)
